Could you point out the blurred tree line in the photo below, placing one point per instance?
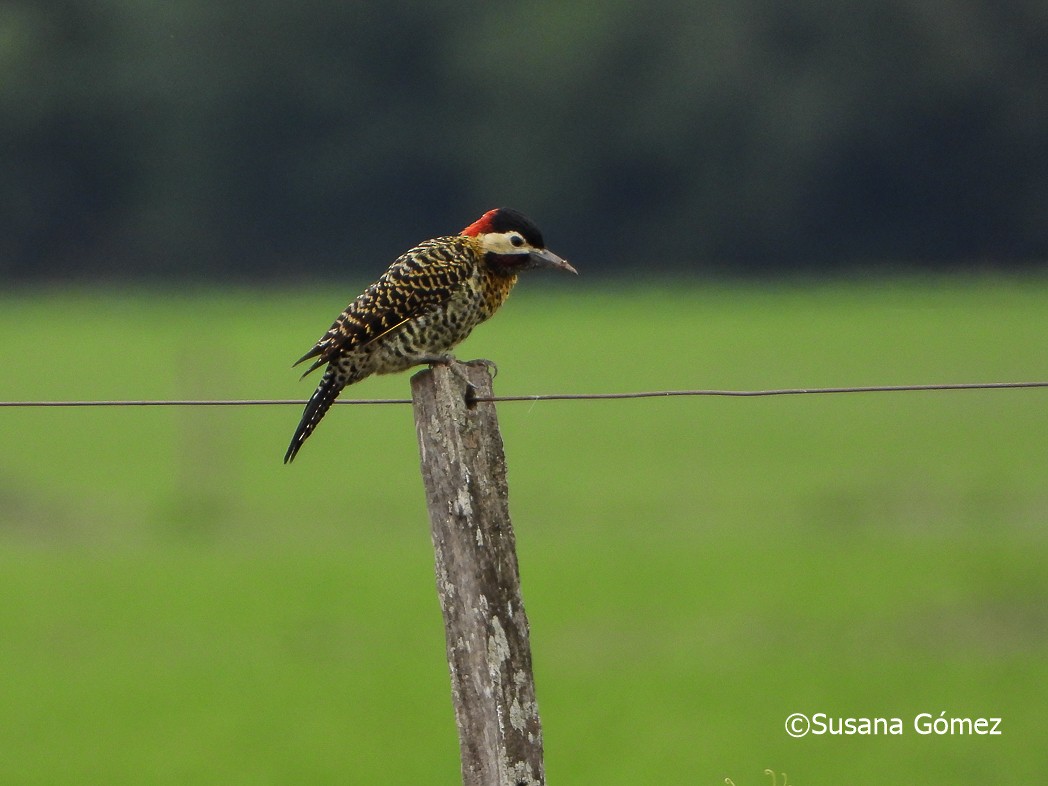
(276, 140)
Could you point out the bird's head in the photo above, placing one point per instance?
(511, 243)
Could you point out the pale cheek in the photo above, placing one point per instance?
(498, 244)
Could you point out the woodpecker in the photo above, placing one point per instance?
(428, 301)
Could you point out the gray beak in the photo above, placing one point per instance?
(547, 259)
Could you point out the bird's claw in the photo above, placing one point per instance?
(471, 389)
(488, 364)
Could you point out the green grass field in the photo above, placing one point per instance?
(179, 607)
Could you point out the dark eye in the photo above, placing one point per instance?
(516, 240)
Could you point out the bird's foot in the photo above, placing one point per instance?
(488, 364)
(452, 363)
(471, 389)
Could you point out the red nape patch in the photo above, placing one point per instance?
(481, 225)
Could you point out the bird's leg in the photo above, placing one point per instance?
(434, 360)
(450, 362)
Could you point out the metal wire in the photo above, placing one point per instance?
(539, 396)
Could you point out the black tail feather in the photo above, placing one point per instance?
(319, 350)
(317, 406)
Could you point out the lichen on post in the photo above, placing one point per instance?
(478, 580)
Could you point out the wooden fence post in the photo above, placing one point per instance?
(489, 655)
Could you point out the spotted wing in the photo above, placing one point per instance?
(423, 279)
